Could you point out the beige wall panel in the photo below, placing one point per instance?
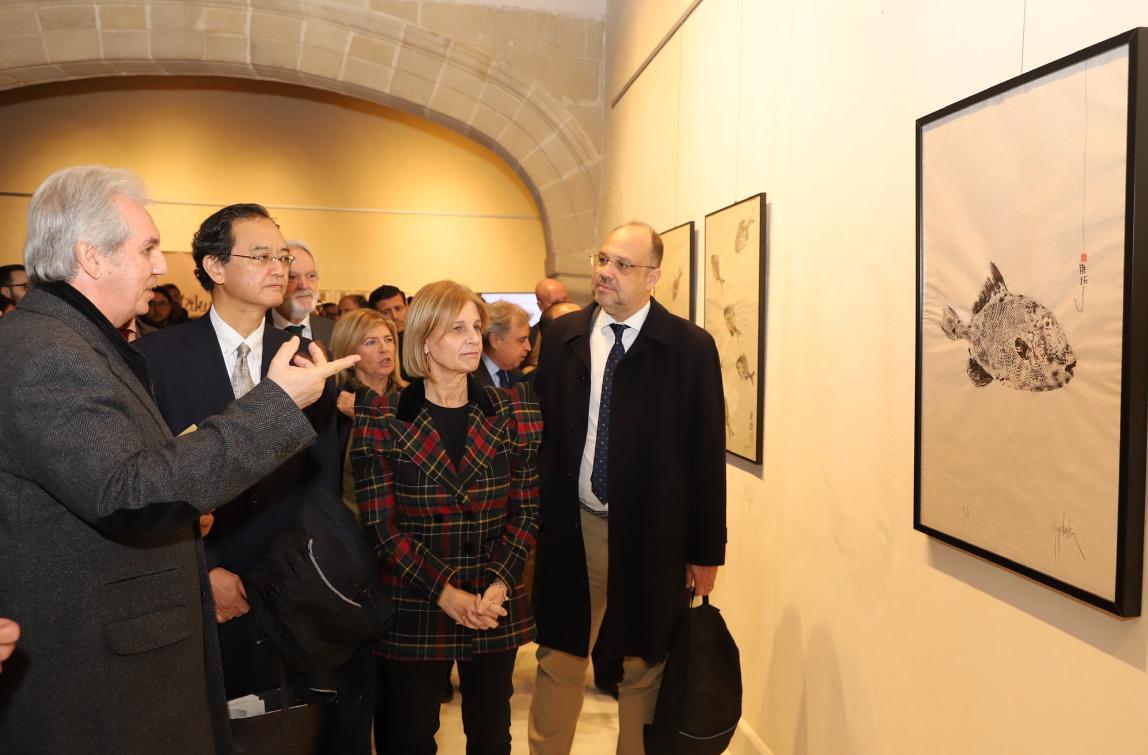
(859, 635)
(429, 202)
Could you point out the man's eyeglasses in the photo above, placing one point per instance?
(267, 258)
(622, 266)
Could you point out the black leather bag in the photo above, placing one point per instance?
(699, 703)
(286, 728)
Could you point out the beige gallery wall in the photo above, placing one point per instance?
(859, 635)
(380, 195)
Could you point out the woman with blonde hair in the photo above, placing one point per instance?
(448, 491)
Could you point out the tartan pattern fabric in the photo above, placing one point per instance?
(433, 524)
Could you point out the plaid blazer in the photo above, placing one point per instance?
(433, 524)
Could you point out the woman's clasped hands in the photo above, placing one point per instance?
(474, 611)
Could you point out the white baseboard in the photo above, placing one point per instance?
(746, 741)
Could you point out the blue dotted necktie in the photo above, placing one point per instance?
(295, 330)
(503, 379)
(598, 479)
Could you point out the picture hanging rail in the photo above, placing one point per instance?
(1032, 323)
(735, 316)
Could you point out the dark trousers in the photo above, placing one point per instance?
(415, 695)
(349, 715)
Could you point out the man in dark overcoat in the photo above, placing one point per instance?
(100, 561)
(633, 488)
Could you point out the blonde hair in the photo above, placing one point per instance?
(350, 331)
(435, 306)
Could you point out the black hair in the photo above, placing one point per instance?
(215, 239)
(385, 291)
(6, 273)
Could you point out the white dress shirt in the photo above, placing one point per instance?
(229, 340)
(601, 341)
(282, 322)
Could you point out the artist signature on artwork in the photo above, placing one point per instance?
(1063, 532)
(1083, 269)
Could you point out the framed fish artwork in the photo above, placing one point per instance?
(735, 265)
(1032, 323)
(675, 289)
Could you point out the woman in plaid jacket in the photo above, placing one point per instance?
(448, 491)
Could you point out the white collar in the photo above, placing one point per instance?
(229, 338)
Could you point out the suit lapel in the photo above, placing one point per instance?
(52, 306)
(482, 435)
(416, 435)
(421, 443)
(205, 362)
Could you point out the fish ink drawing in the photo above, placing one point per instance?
(1013, 340)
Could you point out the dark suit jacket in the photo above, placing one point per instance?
(99, 560)
(192, 382)
(666, 480)
(322, 329)
(484, 378)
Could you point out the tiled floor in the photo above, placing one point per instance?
(597, 728)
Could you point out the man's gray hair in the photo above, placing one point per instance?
(503, 316)
(297, 244)
(77, 204)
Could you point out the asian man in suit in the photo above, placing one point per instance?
(202, 366)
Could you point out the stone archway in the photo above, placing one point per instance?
(334, 45)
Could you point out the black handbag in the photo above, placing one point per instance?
(286, 728)
(699, 703)
(315, 592)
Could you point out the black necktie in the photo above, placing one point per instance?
(295, 330)
(598, 478)
(503, 379)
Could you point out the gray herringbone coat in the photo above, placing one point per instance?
(99, 561)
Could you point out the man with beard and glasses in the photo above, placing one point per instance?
(296, 313)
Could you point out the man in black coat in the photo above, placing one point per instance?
(633, 489)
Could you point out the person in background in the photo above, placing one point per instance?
(375, 339)
(549, 315)
(351, 302)
(14, 282)
(178, 313)
(447, 487)
(295, 313)
(158, 314)
(548, 292)
(6, 305)
(392, 303)
(633, 500)
(330, 310)
(505, 344)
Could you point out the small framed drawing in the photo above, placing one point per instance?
(1032, 323)
(675, 289)
(735, 316)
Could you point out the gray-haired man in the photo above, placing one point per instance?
(99, 505)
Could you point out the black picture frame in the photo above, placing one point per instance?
(1112, 581)
(675, 289)
(735, 296)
